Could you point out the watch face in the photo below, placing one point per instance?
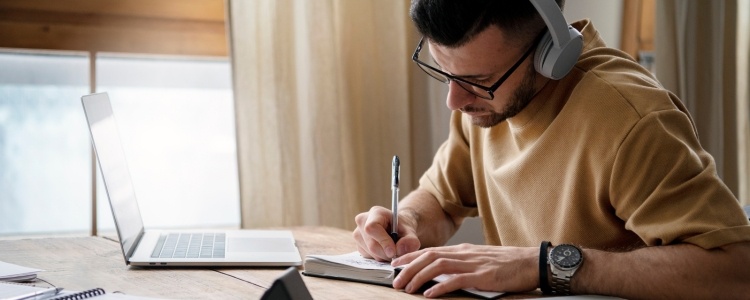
(565, 256)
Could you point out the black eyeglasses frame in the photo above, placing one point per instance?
(489, 90)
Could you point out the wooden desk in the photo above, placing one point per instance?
(81, 263)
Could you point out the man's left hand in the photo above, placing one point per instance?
(486, 268)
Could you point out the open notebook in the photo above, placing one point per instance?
(353, 267)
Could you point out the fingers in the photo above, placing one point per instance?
(409, 256)
(359, 239)
(371, 234)
(425, 265)
(407, 244)
(363, 252)
(406, 258)
(488, 268)
(462, 276)
(454, 283)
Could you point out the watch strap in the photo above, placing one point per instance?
(543, 281)
(560, 285)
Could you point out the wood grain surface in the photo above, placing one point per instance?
(81, 263)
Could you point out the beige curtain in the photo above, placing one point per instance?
(700, 57)
(325, 95)
(743, 98)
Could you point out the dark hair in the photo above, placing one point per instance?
(452, 22)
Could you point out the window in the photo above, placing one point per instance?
(175, 116)
(176, 119)
(45, 160)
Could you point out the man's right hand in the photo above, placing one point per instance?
(372, 236)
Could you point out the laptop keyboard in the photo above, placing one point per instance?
(190, 245)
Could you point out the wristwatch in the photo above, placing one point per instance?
(564, 260)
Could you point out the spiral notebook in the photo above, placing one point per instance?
(15, 291)
(97, 293)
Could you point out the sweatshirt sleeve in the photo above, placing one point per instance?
(665, 187)
(449, 178)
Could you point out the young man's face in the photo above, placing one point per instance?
(483, 60)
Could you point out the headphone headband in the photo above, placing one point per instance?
(554, 19)
(559, 49)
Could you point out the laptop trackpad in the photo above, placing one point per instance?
(259, 245)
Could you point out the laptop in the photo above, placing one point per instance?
(142, 247)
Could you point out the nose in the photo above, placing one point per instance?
(458, 97)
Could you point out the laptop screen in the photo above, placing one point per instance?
(114, 169)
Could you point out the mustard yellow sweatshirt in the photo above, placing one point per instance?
(605, 158)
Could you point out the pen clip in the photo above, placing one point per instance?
(395, 170)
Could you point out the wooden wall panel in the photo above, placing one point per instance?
(638, 26)
(648, 25)
(205, 10)
(174, 27)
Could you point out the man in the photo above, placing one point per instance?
(604, 159)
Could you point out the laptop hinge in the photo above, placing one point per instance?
(135, 246)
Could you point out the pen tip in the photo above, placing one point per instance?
(395, 159)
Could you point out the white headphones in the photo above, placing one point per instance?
(561, 45)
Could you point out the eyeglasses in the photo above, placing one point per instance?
(471, 87)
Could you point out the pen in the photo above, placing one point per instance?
(394, 199)
(40, 294)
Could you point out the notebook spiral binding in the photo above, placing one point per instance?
(82, 295)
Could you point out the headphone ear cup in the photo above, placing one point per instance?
(553, 62)
(540, 55)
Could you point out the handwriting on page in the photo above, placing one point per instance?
(353, 259)
(367, 263)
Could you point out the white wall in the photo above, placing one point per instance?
(470, 232)
(606, 15)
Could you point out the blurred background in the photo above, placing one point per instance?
(269, 113)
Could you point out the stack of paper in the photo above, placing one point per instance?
(16, 273)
